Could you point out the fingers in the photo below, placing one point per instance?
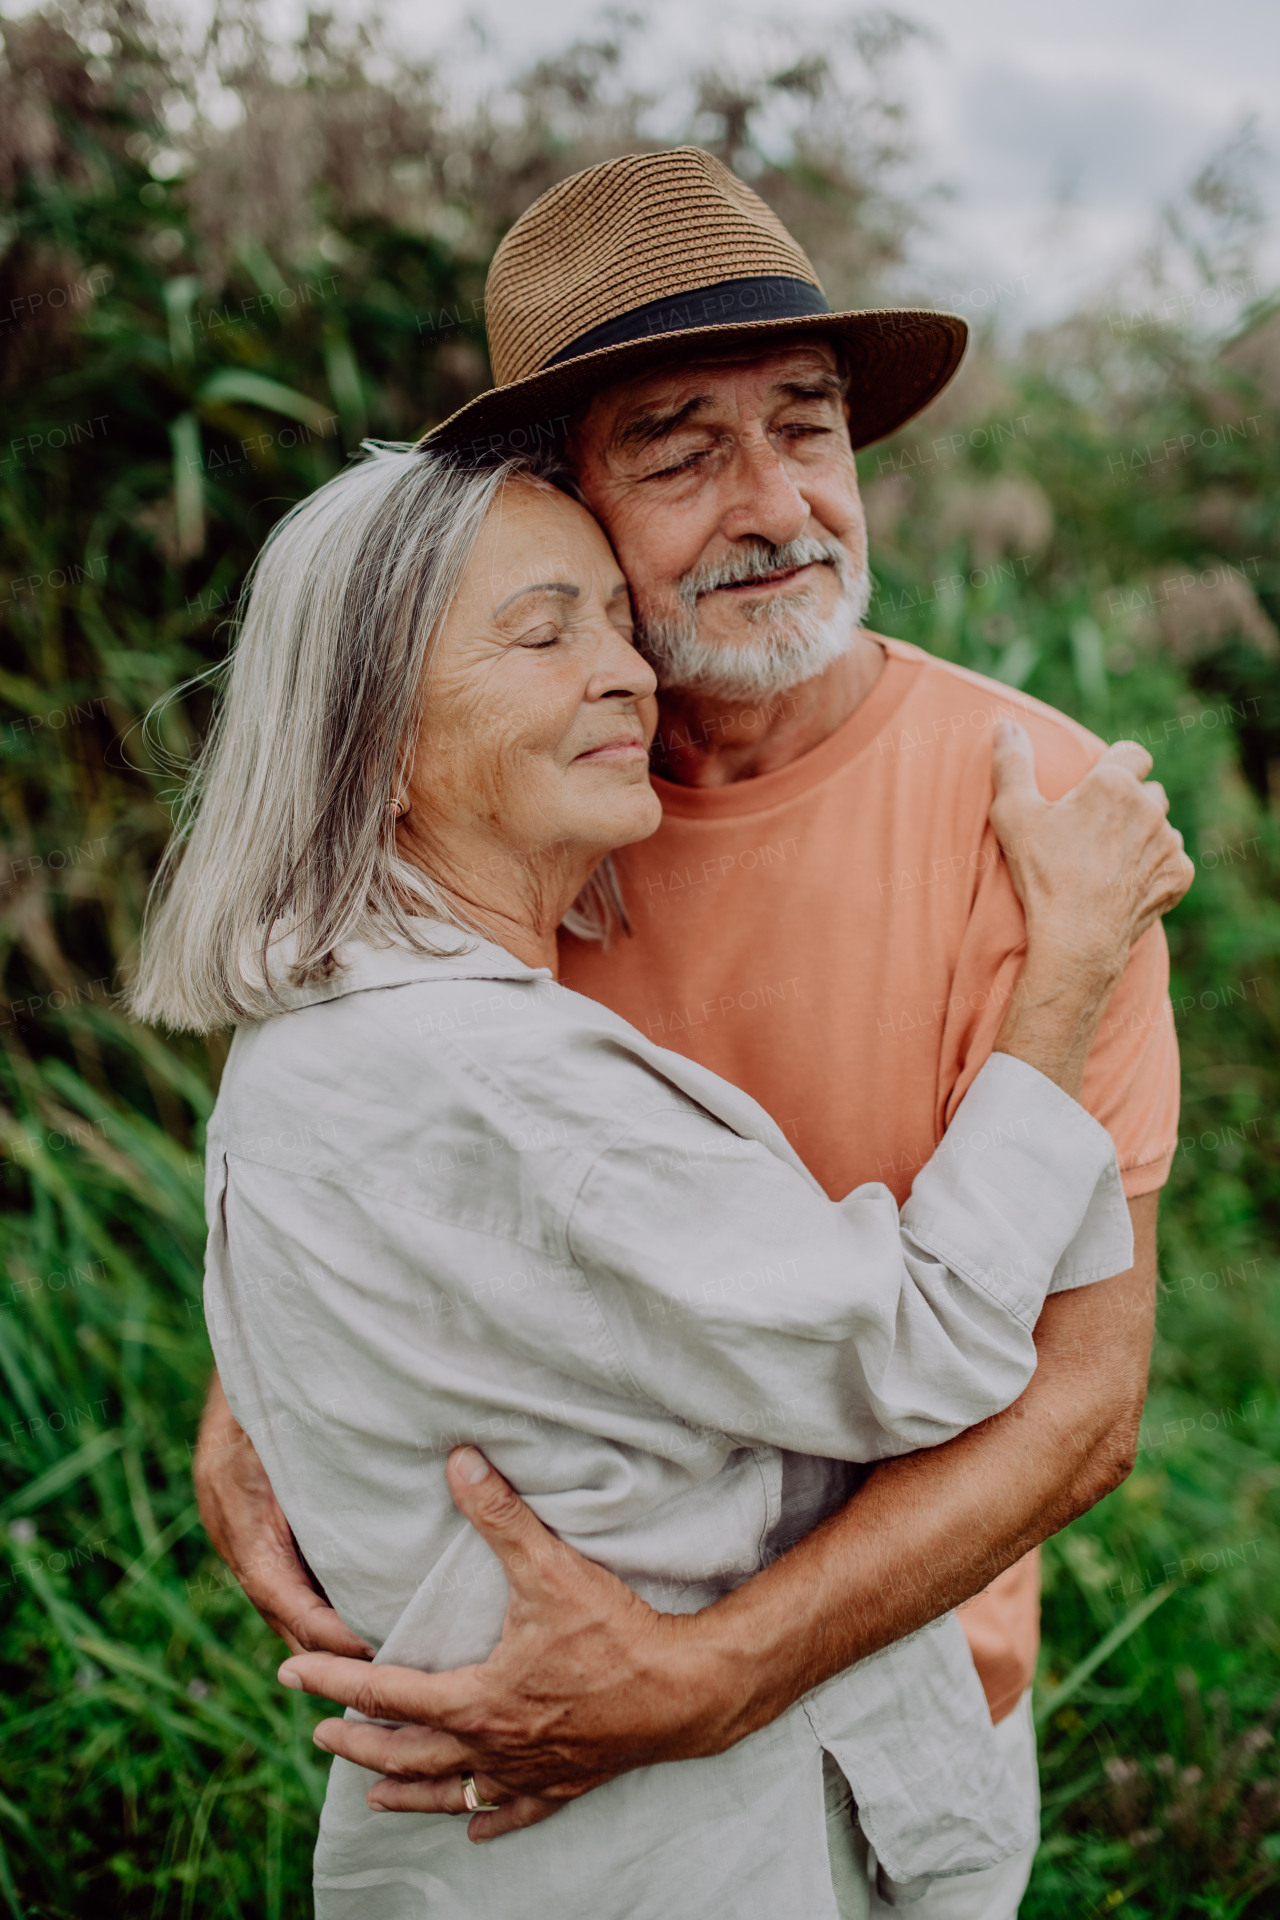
(316, 1628)
(405, 1753)
(1013, 762)
(334, 1668)
(530, 1553)
(384, 1693)
(1162, 889)
(422, 1771)
(1018, 803)
(433, 1796)
(1129, 755)
(523, 1811)
(418, 1796)
(278, 1584)
(446, 1796)
(247, 1526)
(1169, 884)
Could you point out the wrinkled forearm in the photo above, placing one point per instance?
(219, 1431)
(932, 1529)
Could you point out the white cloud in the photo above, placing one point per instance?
(1062, 130)
(1087, 142)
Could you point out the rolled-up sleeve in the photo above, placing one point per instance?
(736, 1294)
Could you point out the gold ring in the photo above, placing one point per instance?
(471, 1797)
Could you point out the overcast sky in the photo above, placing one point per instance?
(1063, 128)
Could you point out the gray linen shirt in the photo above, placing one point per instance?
(451, 1201)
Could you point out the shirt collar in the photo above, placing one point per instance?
(364, 967)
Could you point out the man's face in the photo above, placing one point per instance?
(730, 494)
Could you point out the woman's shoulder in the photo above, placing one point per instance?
(401, 1053)
(409, 1060)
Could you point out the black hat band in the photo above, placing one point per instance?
(728, 303)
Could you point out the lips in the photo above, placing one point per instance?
(632, 745)
(759, 582)
(763, 580)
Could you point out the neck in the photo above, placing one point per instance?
(706, 741)
(535, 944)
(516, 897)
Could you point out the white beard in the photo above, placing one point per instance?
(794, 643)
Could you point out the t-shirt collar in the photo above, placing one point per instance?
(857, 734)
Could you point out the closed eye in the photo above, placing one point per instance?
(790, 430)
(682, 466)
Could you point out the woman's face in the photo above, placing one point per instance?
(534, 752)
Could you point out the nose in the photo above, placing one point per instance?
(619, 672)
(765, 502)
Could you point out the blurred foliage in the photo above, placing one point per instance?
(221, 266)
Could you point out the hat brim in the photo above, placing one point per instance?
(898, 359)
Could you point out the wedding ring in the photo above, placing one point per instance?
(471, 1796)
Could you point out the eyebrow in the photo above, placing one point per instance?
(822, 384)
(565, 587)
(648, 428)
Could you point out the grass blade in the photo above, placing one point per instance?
(1059, 1695)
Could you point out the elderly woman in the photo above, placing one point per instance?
(450, 1202)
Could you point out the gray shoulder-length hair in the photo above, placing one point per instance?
(284, 844)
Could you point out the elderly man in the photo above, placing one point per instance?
(822, 918)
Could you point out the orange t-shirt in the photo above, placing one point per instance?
(840, 939)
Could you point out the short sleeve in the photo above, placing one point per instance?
(1131, 1082)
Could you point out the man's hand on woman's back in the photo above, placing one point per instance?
(587, 1682)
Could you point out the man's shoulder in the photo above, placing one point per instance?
(955, 709)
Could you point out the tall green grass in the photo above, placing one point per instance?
(159, 419)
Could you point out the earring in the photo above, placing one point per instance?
(397, 807)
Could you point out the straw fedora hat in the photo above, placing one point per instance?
(659, 258)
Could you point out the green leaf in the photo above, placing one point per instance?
(255, 390)
(188, 484)
(344, 381)
(65, 1474)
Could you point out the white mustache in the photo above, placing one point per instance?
(752, 559)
